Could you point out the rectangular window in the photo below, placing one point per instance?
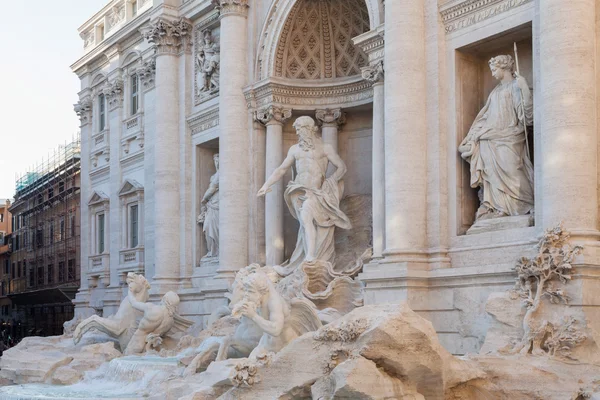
(134, 8)
(19, 269)
(6, 267)
(24, 269)
(31, 277)
(13, 270)
(72, 226)
(61, 230)
(50, 193)
(134, 95)
(40, 199)
(100, 233)
(61, 271)
(133, 226)
(50, 273)
(39, 237)
(40, 275)
(51, 232)
(61, 187)
(102, 112)
(72, 275)
(1, 217)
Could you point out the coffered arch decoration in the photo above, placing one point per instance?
(316, 42)
(312, 39)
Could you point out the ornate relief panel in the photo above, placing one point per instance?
(206, 58)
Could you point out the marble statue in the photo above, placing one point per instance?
(312, 198)
(207, 63)
(158, 320)
(209, 215)
(496, 146)
(121, 325)
(268, 321)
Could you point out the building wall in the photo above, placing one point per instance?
(444, 274)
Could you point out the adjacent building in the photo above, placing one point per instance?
(168, 84)
(43, 272)
(6, 307)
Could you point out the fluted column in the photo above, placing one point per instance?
(375, 75)
(405, 132)
(234, 142)
(330, 121)
(274, 118)
(171, 37)
(568, 111)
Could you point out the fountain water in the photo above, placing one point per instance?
(125, 378)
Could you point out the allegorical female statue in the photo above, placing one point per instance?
(209, 214)
(496, 146)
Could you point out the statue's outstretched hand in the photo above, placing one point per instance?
(263, 191)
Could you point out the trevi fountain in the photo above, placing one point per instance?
(461, 265)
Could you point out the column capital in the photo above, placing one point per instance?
(331, 117)
(114, 93)
(232, 7)
(147, 73)
(169, 36)
(374, 73)
(273, 115)
(83, 109)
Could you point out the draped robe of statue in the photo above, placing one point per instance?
(325, 206)
(211, 220)
(496, 149)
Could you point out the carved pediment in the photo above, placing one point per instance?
(97, 198)
(130, 187)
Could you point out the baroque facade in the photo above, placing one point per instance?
(395, 90)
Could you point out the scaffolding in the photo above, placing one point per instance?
(47, 221)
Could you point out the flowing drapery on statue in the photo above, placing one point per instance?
(209, 215)
(496, 146)
(313, 199)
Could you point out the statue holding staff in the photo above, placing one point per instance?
(496, 146)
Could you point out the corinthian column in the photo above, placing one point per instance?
(375, 74)
(171, 39)
(568, 112)
(405, 132)
(274, 118)
(234, 142)
(330, 121)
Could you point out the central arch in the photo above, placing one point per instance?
(347, 18)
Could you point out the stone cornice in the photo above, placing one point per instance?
(372, 44)
(273, 115)
(204, 121)
(169, 36)
(232, 7)
(459, 15)
(292, 94)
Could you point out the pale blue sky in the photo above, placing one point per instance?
(39, 43)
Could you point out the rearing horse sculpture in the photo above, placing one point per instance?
(123, 324)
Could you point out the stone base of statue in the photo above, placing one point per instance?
(499, 224)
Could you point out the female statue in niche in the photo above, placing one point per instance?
(209, 213)
(496, 146)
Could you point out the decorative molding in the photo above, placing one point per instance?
(273, 115)
(169, 37)
(470, 12)
(114, 93)
(206, 120)
(374, 73)
(373, 44)
(330, 117)
(147, 73)
(83, 109)
(115, 17)
(232, 7)
(270, 92)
